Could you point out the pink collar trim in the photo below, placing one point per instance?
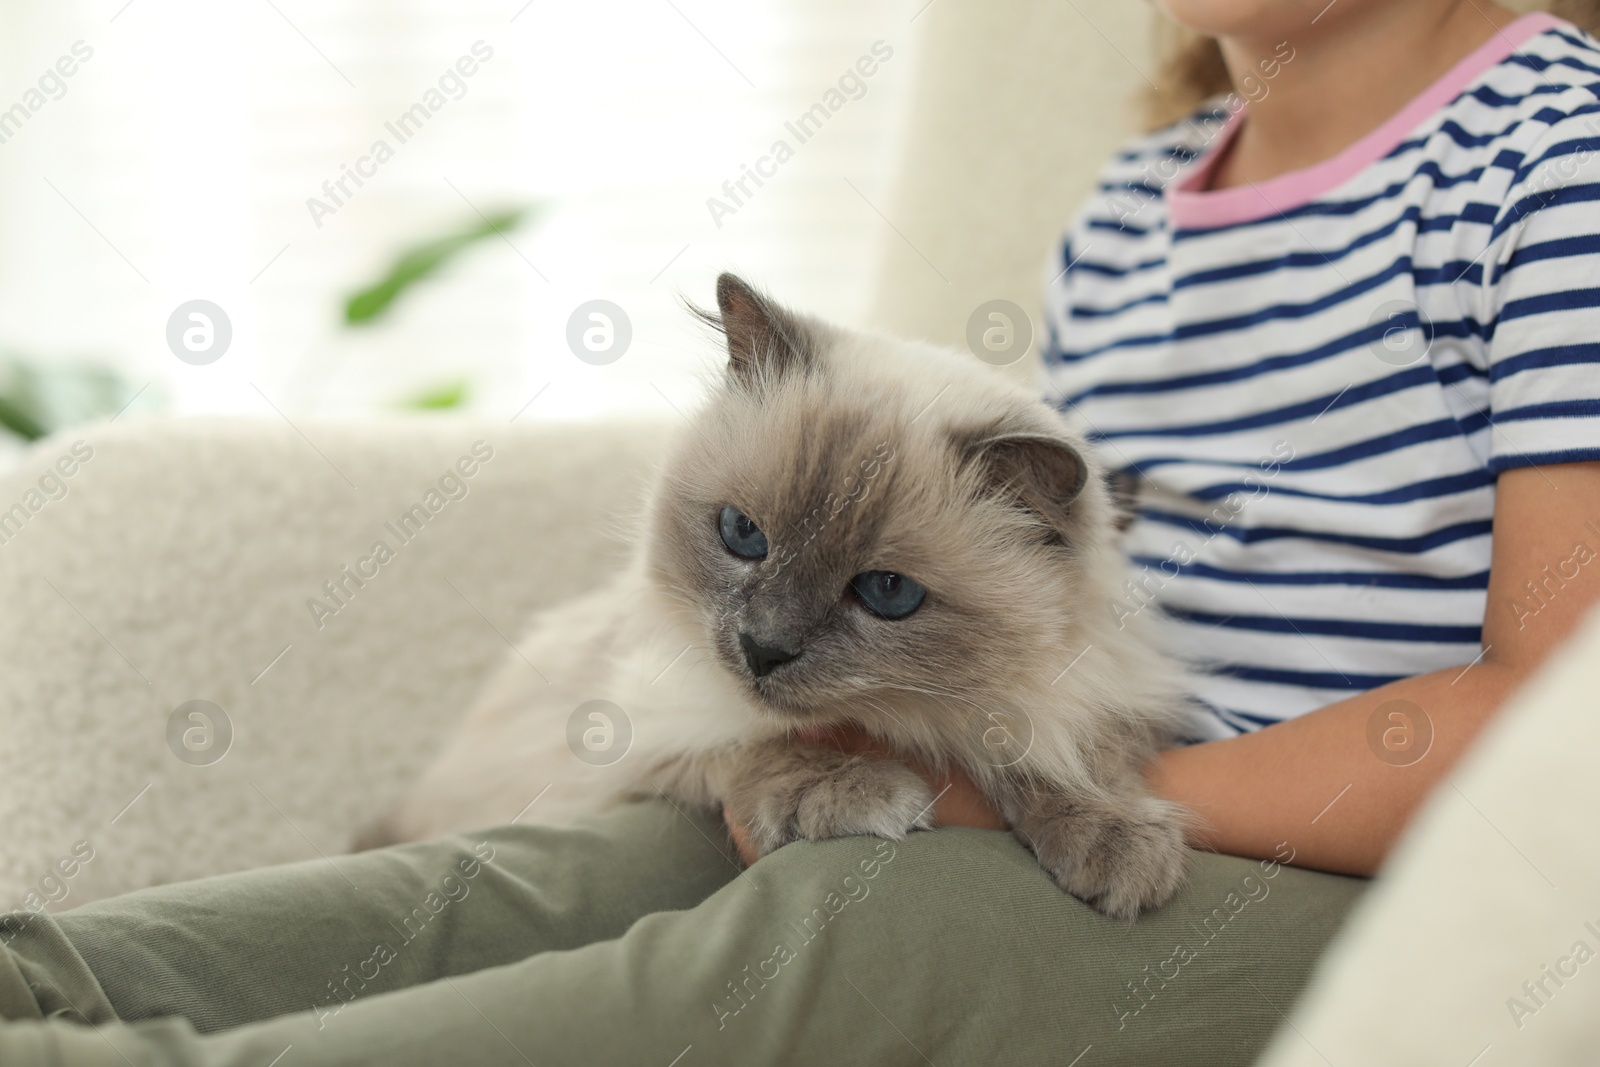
(1191, 206)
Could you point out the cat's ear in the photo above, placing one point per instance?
(1043, 473)
(764, 340)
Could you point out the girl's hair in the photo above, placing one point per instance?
(1191, 70)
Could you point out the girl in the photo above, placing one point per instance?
(1339, 326)
(1339, 330)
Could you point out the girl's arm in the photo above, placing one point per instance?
(1318, 783)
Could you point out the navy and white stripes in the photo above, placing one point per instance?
(1315, 380)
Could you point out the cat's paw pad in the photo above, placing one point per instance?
(1120, 863)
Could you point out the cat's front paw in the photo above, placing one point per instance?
(815, 794)
(1119, 859)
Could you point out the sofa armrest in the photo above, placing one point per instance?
(1485, 916)
(146, 565)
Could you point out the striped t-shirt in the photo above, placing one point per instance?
(1312, 382)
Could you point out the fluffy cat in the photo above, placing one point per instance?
(853, 529)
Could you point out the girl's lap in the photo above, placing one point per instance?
(955, 947)
(633, 939)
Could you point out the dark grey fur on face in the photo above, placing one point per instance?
(852, 455)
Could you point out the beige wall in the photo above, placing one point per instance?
(1016, 106)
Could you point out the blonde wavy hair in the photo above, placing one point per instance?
(1191, 69)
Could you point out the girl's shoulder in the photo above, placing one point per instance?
(1526, 126)
(1542, 81)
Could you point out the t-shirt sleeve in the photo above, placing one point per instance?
(1543, 292)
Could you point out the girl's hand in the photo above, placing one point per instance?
(959, 801)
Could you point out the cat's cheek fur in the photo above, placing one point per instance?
(786, 792)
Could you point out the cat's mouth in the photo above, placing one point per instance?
(776, 675)
(778, 691)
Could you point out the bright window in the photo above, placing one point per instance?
(176, 163)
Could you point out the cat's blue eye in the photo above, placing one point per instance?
(742, 536)
(894, 596)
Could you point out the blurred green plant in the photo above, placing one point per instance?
(420, 261)
(439, 398)
(412, 266)
(37, 399)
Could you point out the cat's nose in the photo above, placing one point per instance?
(763, 658)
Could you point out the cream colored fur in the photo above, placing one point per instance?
(1019, 624)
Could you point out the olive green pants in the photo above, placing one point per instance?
(633, 938)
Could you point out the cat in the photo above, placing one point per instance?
(857, 529)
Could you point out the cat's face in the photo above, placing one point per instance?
(865, 524)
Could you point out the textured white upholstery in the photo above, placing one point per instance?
(178, 566)
(1497, 879)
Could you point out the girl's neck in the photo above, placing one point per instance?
(1347, 76)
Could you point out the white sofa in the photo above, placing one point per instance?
(178, 566)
